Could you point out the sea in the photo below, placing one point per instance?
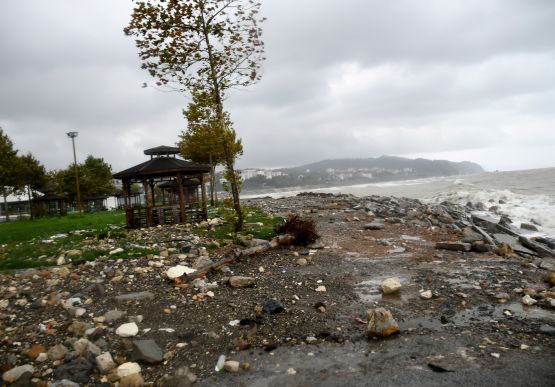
(526, 196)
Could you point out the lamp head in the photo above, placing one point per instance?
(72, 134)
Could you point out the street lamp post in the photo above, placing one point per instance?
(72, 135)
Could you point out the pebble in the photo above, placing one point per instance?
(426, 295)
(381, 323)
(527, 300)
(231, 366)
(16, 372)
(291, 371)
(301, 262)
(105, 362)
(241, 282)
(127, 330)
(178, 271)
(128, 368)
(320, 288)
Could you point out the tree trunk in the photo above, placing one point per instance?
(5, 204)
(220, 114)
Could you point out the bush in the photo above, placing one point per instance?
(302, 229)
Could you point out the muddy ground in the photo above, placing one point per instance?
(464, 335)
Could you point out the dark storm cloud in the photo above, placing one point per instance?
(354, 78)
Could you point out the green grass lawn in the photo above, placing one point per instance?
(35, 243)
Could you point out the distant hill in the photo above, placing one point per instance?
(355, 171)
(421, 167)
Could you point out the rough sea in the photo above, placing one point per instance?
(526, 196)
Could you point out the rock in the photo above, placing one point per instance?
(114, 315)
(178, 271)
(4, 304)
(84, 347)
(426, 295)
(453, 246)
(147, 351)
(481, 247)
(202, 262)
(64, 383)
(374, 226)
(105, 362)
(133, 380)
(513, 242)
(272, 306)
(528, 226)
(527, 300)
(320, 288)
(15, 373)
(78, 328)
(390, 285)
(42, 357)
(241, 282)
(57, 352)
(77, 370)
(231, 366)
(73, 253)
(301, 262)
(547, 330)
(138, 296)
(311, 340)
(35, 351)
(127, 330)
(291, 371)
(116, 251)
(381, 323)
(61, 260)
(128, 368)
(551, 278)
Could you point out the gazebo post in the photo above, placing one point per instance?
(181, 197)
(147, 204)
(203, 191)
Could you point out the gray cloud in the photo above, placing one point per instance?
(357, 78)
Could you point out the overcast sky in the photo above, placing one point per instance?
(457, 80)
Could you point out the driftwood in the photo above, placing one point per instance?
(280, 240)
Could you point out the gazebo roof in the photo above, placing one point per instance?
(162, 167)
(162, 150)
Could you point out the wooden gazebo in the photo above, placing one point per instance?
(174, 190)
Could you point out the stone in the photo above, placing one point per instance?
(57, 352)
(4, 304)
(147, 351)
(178, 271)
(35, 351)
(78, 328)
(374, 226)
(504, 249)
(320, 288)
(426, 295)
(481, 247)
(85, 347)
(73, 253)
(127, 330)
(453, 246)
(133, 380)
(311, 340)
(137, 296)
(390, 285)
(231, 366)
(547, 329)
(105, 362)
(114, 315)
(527, 300)
(201, 262)
(241, 282)
(513, 242)
(528, 226)
(272, 306)
(301, 262)
(64, 383)
(15, 373)
(551, 278)
(77, 370)
(381, 323)
(116, 251)
(128, 368)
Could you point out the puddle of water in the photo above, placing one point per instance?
(481, 314)
(369, 291)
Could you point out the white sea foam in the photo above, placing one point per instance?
(538, 209)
